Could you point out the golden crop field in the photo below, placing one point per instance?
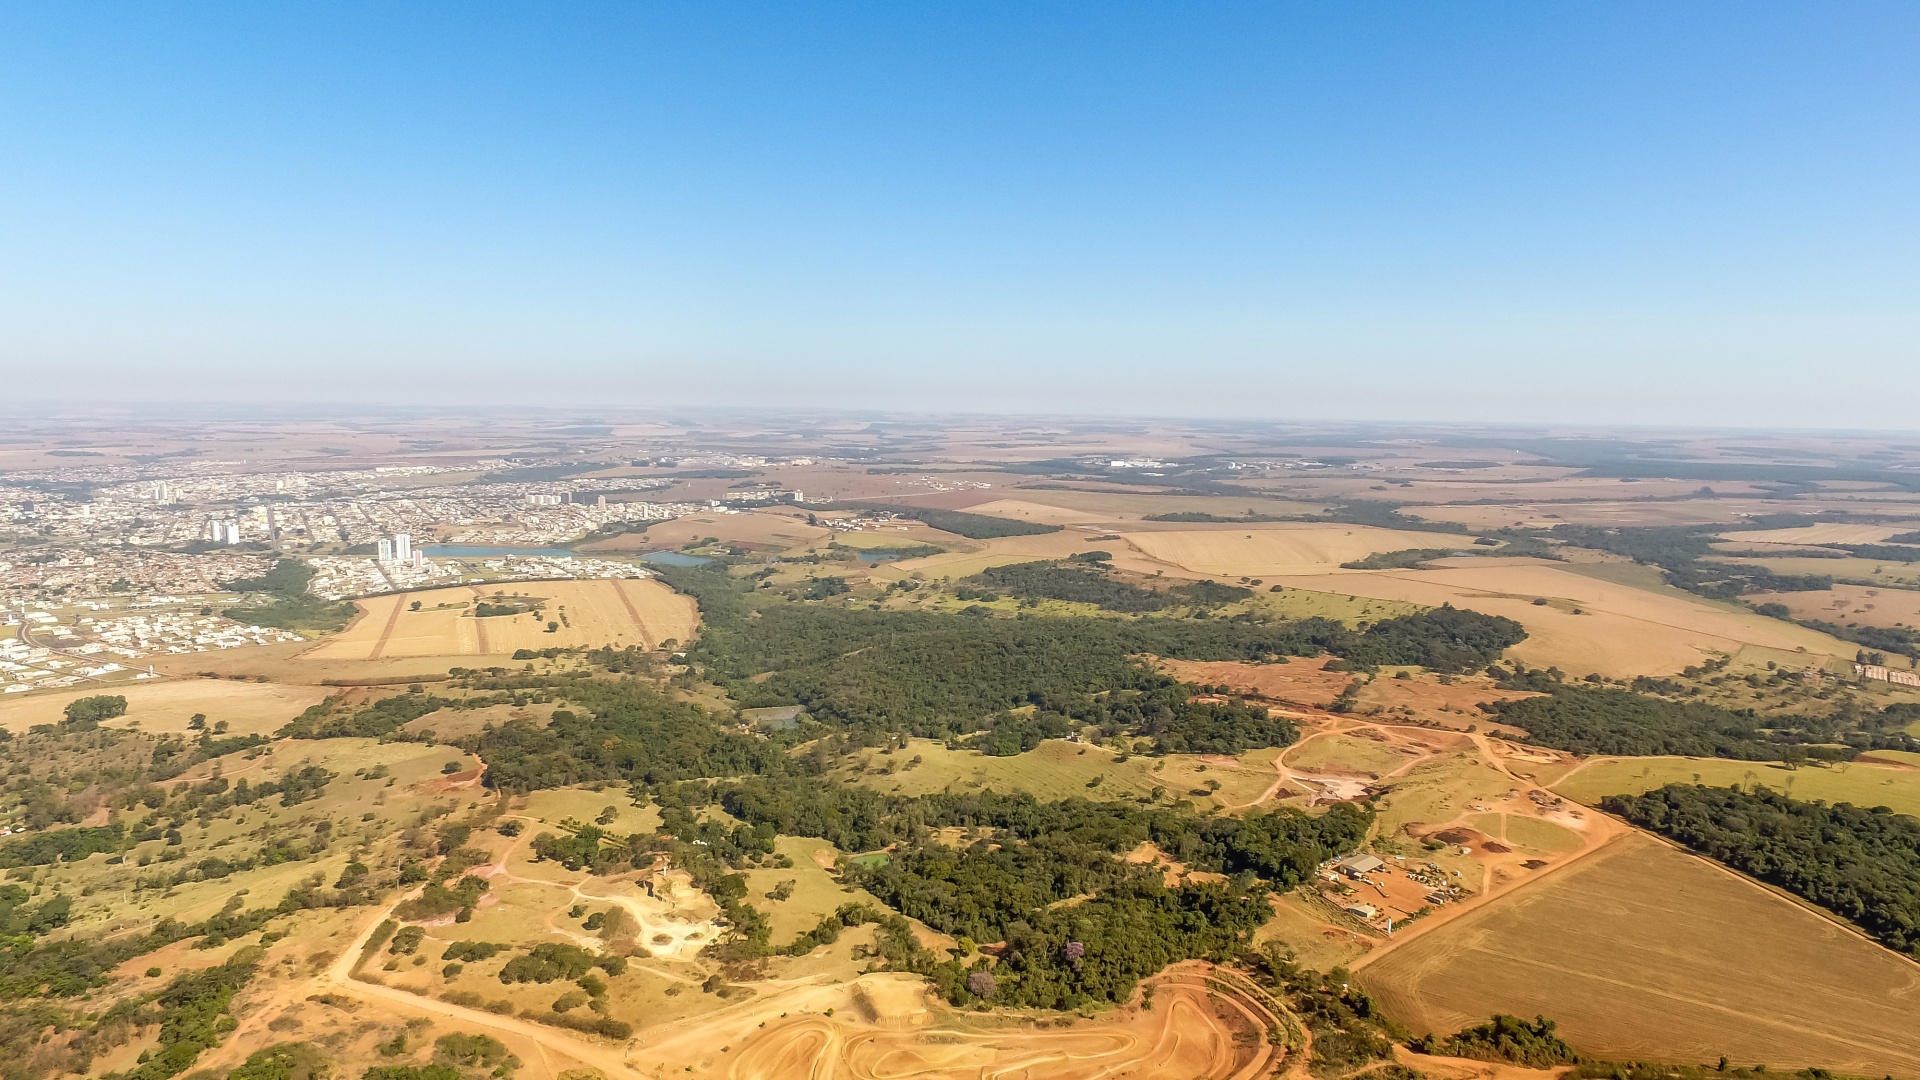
(615, 612)
(1645, 953)
(1621, 630)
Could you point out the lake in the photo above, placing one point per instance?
(674, 558)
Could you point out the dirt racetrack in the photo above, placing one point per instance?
(886, 1027)
(614, 612)
(1643, 952)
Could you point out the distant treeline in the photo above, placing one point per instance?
(1860, 864)
(1683, 551)
(971, 526)
(1198, 516)
(1083, 580)
(1588, 720)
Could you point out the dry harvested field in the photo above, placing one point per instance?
(1875, 570)
(1270, 550)
(1826, 533)
(1092, 507)
(759, 528)
(1597, 512)
(1006, 549)
(164, 706)
(292, 664)
(1545, 489)
(1643, 952)
(1621, 630)
(625, 612)
(1852, 604)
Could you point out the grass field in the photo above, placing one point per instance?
(1845, 604)
(164, 706)
(816, 894)
(1642, 952)
(629, 612)
(1346, 754)
(1440, 789)
(1346, 607)
(1622, 630)
(761, 528)
(1062, 770)
(1863, 783)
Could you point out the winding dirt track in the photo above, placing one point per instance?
(1196, 1028)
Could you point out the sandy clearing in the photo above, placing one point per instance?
(879, 1025)
(614, 612)
(1623, 631)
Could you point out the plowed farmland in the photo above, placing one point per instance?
(1643, 952)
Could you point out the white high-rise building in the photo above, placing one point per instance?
(403, 547)
(386, 550)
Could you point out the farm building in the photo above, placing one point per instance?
(1357, 865)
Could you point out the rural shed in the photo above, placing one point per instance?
(1355, 865)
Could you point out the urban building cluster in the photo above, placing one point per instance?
(172, 632)
(65, 573)
(343, 577)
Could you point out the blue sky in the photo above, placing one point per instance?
(1591, 212)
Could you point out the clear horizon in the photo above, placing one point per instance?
(1628, 214)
